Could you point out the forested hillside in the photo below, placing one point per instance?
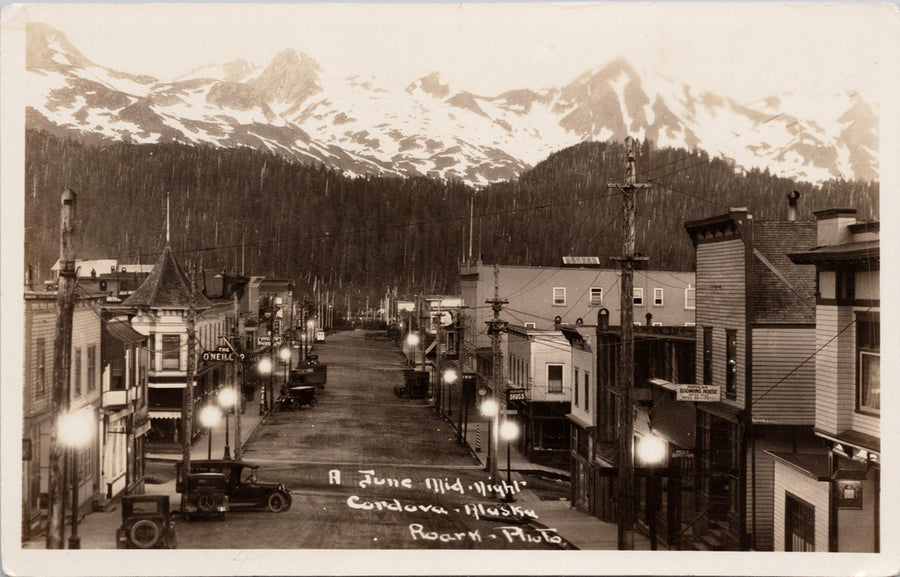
(361, 235)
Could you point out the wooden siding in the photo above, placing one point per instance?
(721, 305)
(779, 439)
(790, 480)
(41, 320)
(782, 392)
(583, 361)
(550, 350)
(835, 368)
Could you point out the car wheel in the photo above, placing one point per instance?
(206, 503)
(276, 503)
(313, 403)
(296, 406)
(145, 534)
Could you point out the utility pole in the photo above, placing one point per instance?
(626, 374)
(187, 398)
(239, 380)
(496, 328)
(60, 397)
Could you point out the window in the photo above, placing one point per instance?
(85, 463)
(868, 357)
(151, 345)
(554, 378)
(799, 524)
(657, 297)
(690, 298)
(40, 364)
(171, 352)
(639, 297)
(530, 325)
(76, 370)
(731, 363)
(596, 296)
(92, 368)
(707, 356)
(587, 391)
(576, 386)
(559, 296)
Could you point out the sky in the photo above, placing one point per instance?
(745, 51)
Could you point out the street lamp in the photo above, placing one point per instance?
(651, 452)
(210, 416)
(413, 341)
(285, 354)
(310, 326)
(227, 400)
(450, 377)
(491, 409)
(75, 430)
(264, 366)
(509, 430)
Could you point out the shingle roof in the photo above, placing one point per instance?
(784, 292)
(167, 287)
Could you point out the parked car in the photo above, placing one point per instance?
(206, 495)
(147, 523)
(295, 398)
(320, 336)
(242, 485)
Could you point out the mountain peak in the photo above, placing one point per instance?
(47, 48)
(289, 79)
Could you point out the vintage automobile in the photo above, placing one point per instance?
(320, 336)
(147, 523)
(206, 495)
(295, 398)
(242, 485)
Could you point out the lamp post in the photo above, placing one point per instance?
(509, 430)
(413, 341)
(75, 430)
(490, 409)
(264, 366)
(651, 451)
(450, 377)
(210, 416)
(310, 326)
(227, 399)
(285, 354)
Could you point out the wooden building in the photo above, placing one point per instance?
(41, 314)
(831, 503)
(756, 336)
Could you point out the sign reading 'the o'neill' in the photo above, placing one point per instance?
(708, 393)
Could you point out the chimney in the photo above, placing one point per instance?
(793, 197)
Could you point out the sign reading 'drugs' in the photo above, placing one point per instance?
(708, 393)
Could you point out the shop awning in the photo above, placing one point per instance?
(580, 421)
(675, 420)
(165, 414)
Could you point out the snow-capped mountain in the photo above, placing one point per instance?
(294, 107)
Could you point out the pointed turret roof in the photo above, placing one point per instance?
(167, 287)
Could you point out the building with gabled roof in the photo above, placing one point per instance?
(756, 331)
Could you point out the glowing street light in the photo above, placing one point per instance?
(413, 341)
(210, 417)
(75, 430)
(285, 354)
(509, 430)
(651, 450)
(450, 377)
(491, 409)
(264, 366)
(227, 399)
